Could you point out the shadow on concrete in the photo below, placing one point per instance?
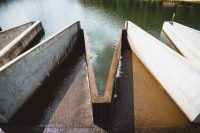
(35, 114)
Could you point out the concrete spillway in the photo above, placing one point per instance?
(52, 87)
(16, 40)
(53, 93)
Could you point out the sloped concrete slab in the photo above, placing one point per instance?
(152, 105)
(176, 75)
(185, 39)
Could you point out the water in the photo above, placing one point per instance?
(102, 19)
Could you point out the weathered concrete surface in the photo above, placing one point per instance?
(15, 40)
(178, 77)
(185, 39)
(9, 35)
(21, 77)
(75, 109)
(75, 130)
(74, 113)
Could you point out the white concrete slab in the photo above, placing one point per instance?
(178, 77)
(185, 39)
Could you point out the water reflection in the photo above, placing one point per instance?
(100, 18)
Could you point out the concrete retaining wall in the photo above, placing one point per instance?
(9, 35)
(14, 41)
(22, 76)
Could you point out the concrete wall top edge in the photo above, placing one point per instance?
(30, 22)
(7, 36)
(38, 45)
(18, 39)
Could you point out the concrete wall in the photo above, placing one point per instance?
(9, 35)
(21, 77)
(22, 35)
(179, 78)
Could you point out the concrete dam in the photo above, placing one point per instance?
(51, 86)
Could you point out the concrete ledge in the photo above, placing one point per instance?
(21, 77)
(177, 76)
(23, 39)
(91, 74)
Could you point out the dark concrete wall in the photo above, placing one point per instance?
(21, 77)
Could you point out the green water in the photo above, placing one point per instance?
(102, 20)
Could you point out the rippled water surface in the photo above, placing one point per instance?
(102, 19)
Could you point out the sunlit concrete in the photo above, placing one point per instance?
(185, 39)
(152, 105)
(13, 41)
(178, 77)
